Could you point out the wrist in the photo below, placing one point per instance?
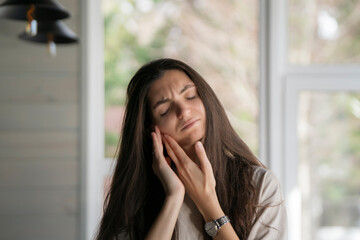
(175, 192)
(212, 211)
(175, 198)
(213, 214)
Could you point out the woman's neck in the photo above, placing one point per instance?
(190, 151)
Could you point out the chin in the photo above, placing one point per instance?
(190, 140)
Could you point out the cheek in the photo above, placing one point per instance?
(164, 124)
(201, 108)
(203, 115)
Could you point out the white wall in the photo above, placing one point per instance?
(39, 135)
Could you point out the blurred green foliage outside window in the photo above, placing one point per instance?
(323, 32)
(217, 38)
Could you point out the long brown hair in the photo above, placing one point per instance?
(136, 195)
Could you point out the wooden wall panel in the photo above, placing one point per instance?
(39, 201)
(33, 174)
(39, 227)
(39, 144)
(34, 57)
(39, 135)
(38, 116)
(71, 6)
(39, 88)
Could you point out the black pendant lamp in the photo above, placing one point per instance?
(33, 11)
(52, 33)
(43, 10)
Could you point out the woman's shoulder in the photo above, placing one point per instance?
(268, 186)
(261, 173)
(272, 221)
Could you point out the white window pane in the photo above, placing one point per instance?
(329, 165)
(218, 38)
(323, 32)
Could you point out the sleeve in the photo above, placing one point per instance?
(272, 223)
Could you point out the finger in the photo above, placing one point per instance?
(157, 130)
(155, 143)
(157, 146)
(171, 152)
(177, 150)
(153, 137)
(158, 134)
(203, 159)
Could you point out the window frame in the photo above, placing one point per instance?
(91, 118)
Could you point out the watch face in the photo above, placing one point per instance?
(211, 228)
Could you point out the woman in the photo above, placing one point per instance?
(182, 171)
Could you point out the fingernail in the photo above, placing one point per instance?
(198, 144)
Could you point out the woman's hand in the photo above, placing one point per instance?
(199, 181)
(161, 166)
(164, 224)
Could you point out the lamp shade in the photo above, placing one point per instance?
(58, 31)
(44, 10)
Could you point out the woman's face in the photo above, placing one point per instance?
(177, 108)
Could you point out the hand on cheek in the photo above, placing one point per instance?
(199, 180)
(161, 167)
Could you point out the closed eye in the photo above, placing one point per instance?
(189, 98)
(164, 113)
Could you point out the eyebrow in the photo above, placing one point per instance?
(164, 100)
(187, 87)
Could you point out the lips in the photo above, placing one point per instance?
(189, 123)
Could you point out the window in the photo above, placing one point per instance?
(322, 157)
(322, 119)
(313, 59)
(324, 32)
(329, 166)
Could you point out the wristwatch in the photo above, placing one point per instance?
(213, 227)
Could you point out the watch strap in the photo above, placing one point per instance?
(221, 221)
(213, 227)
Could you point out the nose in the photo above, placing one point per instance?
(182, 110)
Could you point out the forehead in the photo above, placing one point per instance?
(171, 80)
